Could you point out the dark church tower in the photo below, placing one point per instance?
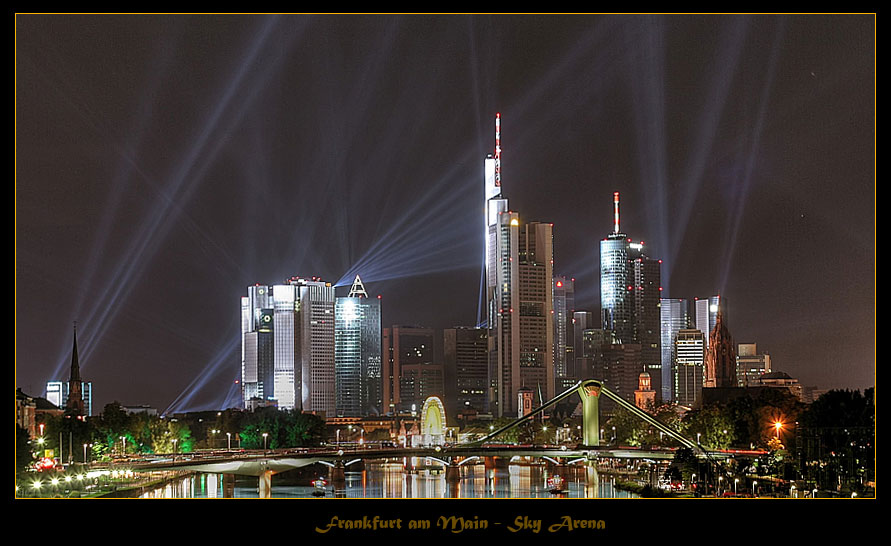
(75, 404)
(720, 362)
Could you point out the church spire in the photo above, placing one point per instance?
(75, 364)
(75, 403)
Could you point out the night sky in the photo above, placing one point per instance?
(163, 163)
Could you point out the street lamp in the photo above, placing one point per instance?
(754, 483)
(174, 448)
(265, 434)
(777, 426)
(85, 453)
(213, 434)
(228, 441)
(735, 481)
(124, 439)
(698, 434)
(720, 479)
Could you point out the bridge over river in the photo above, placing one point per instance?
(447, 458)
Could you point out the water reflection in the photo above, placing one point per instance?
(388, 479)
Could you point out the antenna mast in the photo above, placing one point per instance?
(498, 149)
(616, 213)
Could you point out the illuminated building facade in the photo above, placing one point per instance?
(302, 345)
(707, 310)
(57, 393)
(357, 353)
(645, 396)
(630, 293)
(519, 296)
(257, 365)
(688, 366)
(675, 317)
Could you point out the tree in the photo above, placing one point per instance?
(684, 464)
(838, 439)
(712, 424)
(24, 457)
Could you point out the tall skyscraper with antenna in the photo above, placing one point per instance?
(519, 296)
(630, 290)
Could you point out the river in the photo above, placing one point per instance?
(385, 480)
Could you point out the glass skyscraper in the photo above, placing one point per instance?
(630, 290)
(287, 344)
(675, 317)
(357, 353)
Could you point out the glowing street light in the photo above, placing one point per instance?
(754, 483)
(777, 426)
(228, 441)
(265, 434)
(735, 481)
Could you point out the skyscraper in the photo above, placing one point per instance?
(630, 291)
(690, 351)
(648, 315)
(357, 353)
(257, 365)
(583, 368)
(495, 205)
(301, 314)
(675, 317)
(519, 296)
(563, 306)
(466, 371)
(707, 310)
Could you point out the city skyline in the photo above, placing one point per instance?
(165, 163)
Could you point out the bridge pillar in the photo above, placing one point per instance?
(266, 484)
(589, 391)
(336, 475)
(453, 473)
(228, 486)
(592, 480)
(489, 463)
